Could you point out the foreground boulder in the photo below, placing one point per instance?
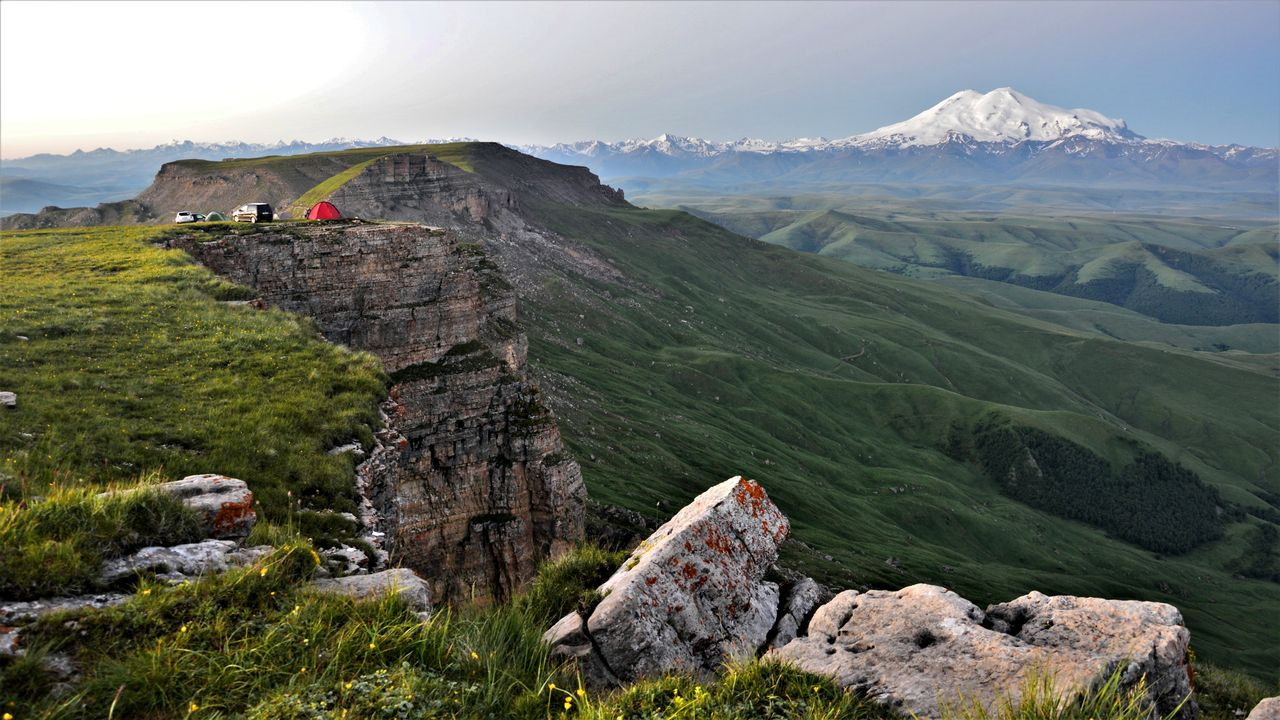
(398, 581)
(1268, 709)
(225, 504)
(924, 647)
(690, 598)
(1147, 637)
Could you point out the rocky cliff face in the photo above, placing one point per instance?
(470, 480)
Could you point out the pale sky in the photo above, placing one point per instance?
(87, 75)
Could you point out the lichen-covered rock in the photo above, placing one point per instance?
(469, 483)
(923, 647)
(1267, 709)
(182, 562)
(400, 581)
(799, 600)
(8, 399)
(225, 504)
(1148, 637)
(692, 595)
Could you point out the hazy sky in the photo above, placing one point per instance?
(134, 75)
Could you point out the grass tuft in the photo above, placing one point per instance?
(56, 544)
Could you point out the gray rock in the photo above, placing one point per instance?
(924, 647)
(182, 562)
(8, 399)
(225, 503)
(9, 644)
(794, 611)
(1149, 635)
(351, 447)
(342, 561)
(690, 598)
(1267, 709)
(23, 613)
(401, 581)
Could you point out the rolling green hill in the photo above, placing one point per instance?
(1178, 270)
(837, 387)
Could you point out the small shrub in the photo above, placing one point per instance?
(1226, 695)
(570, 582)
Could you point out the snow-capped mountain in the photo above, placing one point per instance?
(1003, 115)
(1002, 136)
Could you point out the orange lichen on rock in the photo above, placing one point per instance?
(234, 515)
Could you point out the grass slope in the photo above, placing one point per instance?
(126, 361)
(836, 387)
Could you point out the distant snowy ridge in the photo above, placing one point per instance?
(1002, 116)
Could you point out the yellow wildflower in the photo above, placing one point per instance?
(190, 708)
(7, 716)
(551, 686)
(373, 646)
(182, 629)
(146, 591)
(474, 656)
(582, 693)
(303, 670)
(568, 703)
(263, 572)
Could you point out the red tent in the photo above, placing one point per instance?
(323, 210)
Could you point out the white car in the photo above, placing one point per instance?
(188, 217)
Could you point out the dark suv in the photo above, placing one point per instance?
(252, 212)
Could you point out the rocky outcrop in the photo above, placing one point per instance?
(469, 481)
(182, 562)
(690, 598)
(399, 581)
(693, 596)
(1147, 638)
(923, 647)
(224, 504)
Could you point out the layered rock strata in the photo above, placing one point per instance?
(469, 481)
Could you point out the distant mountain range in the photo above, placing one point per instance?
(102, 175)
(1001, 137)
(998, 138)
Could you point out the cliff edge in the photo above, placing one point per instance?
(470, 481)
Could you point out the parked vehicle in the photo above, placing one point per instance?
(186, 216)
(252, 212)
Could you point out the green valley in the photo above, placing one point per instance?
(1187, 270)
